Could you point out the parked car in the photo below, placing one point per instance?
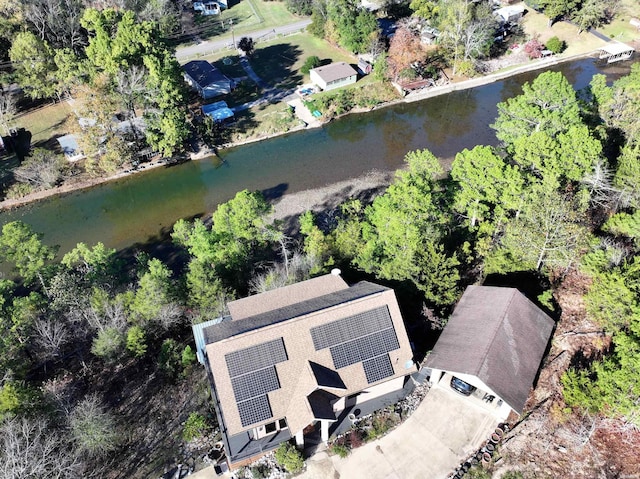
(460, 386)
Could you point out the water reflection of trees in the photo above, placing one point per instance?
(352, 128)
(398, 138)
(450, 116)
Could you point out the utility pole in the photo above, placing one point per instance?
(233, 36)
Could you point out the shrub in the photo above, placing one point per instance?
(311, 62)
(108, 344)
(466, 68)
(194, 427)
(555, 45)
(92, 428)
(188, 357)
(340, 449)
(170, 358)
(18, 190)
(136, 341)
(289, 457)
(261, 471)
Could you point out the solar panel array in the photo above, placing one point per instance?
(366, 347)
(351, 327)
(357, 338)
(254, 410)
(253, 375)
(255, 384)
(377, 368)
(256, 357)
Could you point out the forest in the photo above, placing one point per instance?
(90, 340)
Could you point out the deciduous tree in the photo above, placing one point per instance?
(42, 169)
(31, 449)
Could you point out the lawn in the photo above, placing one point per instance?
(278, 61)
(247, 16)
(620, 29)
(537, 24)
(44, 122)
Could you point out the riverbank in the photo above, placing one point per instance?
(324, 200)
(417, 96)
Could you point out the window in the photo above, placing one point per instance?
(270, 428)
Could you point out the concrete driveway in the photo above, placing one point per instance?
(444, 429)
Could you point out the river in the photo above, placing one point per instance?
(142, 208)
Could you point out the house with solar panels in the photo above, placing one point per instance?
(303, 360)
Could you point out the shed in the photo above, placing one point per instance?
(207, 79)
(218, 111)
(333, 75)
(364, 66)
(495, 340)
(69, 146)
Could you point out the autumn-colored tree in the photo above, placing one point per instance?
(404, 50)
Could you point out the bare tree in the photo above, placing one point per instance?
(31, 449)
(56, 21)
(42, 170)
(131, 88)
(170, 315)
(51, 334)
(8, 109)
(297, 267)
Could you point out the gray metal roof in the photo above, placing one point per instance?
(219, 332)
(497, 335)
(198, 336)
(204, 73)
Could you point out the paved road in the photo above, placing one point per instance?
(218, 44)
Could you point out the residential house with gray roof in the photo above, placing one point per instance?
(207, 79)
(494, 341)
(303, 359)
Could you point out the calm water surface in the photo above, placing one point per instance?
(142, 208)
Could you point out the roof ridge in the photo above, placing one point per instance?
(494, 336)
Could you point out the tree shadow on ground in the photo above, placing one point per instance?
(244, 122)
(274, 64)
(275, 192)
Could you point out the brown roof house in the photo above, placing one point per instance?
(494, 342)
(333, 75)
(304, 360)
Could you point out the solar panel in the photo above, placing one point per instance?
(255, 384)
(254, 410)
(351, 327)
(364, 348)
(377, 368)
(256, 357)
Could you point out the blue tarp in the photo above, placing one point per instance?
(218, 114)
(206, 109)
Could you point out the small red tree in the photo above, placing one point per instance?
(405, 49)
(533, 48)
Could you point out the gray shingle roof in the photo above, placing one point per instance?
(335, 71)
(497, 335)
(203, 73)
(228, 329)
(306, 368)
